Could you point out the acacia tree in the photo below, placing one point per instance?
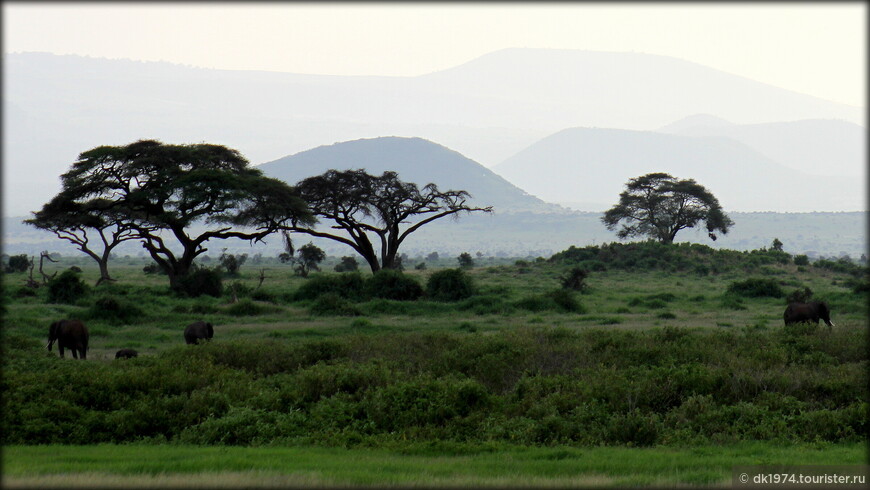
(658, 206)
(371, 211)
(180, 196)
(72, 221)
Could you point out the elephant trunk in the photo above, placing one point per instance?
(50, 342)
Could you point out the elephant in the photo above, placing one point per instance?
(197, 331)
(69, 334)
(807, 312)
(126, 354)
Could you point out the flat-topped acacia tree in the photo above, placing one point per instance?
(658, 205)
(159, 193)
(375, 211)
(91, 225)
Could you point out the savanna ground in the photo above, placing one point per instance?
(669, 368)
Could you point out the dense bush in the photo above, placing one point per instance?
(561, 300)
(17, 263)
(802, 295)
(115, 309)
(393, 284)
(347, 264)
(538, 386)
(67, 288)
(346, 285)
(575, 279)
(755, 288)
(689, 257)
(333, 304)
(247, 307)
(449, 285)
(201, 281)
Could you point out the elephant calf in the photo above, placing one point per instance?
(69, 334)
(807, 312)
(126, 354)
(197, 331)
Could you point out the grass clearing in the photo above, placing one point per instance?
(138, 466)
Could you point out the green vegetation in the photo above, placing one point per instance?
(651, 354)
(436, 464)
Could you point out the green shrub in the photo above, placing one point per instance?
(575, 279)
(17, 263)
(347, 285)
(247, 307)
(67, 288)
(561, 300)
(201, 281)
(449, 285)
(263, 295)
(756, 287)
(113, 308)
(489, 304)
(393, 284)
(347, 264)
(154, 268)
(801, 260)
(333, 304)
(634, 429)
(799, 295)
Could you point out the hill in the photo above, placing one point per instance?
(593, 165)
(813, 146)
(415, 160)
(488, 109)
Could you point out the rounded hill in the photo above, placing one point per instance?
(415, 160)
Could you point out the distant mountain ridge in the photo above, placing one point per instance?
(812, 146)
(593, 165)
(415, 160)
(487, 109)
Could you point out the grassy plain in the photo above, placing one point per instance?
(137, 466)
(659, 377)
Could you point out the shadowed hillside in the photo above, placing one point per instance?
(415, 160)
(592, 165)
(812, 146)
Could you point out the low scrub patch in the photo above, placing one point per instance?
(756, 287)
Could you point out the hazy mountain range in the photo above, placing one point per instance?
(588, 168)
(415, 160)
(488, 109)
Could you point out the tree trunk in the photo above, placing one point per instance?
(104, 272)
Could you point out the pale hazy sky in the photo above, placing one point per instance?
(813, 48)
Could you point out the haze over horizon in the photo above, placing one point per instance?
(282, 79)
(770, 43)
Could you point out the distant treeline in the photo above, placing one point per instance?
(829, 235)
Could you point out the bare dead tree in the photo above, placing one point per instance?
(42, 256)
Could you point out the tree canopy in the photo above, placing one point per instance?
(658, 206)
(72, 220)
(157, 192)
(375, 212)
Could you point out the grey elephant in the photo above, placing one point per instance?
(126, 354)
(197, 331)
(69, 334)
(807, 312)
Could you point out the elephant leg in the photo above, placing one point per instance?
(60, 349)
(84, 353)
(75, 353)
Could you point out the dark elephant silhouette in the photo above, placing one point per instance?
(197, 331)
(807, 312)
(69, 334)
(126, 354)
